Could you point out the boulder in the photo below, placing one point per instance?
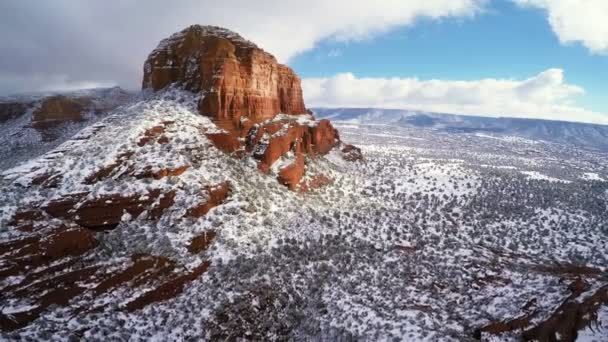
(351, 153)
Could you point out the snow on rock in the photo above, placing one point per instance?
(141, 227)
(31, 125)
(592, 176)
(256, 103)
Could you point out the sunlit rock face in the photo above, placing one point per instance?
(236, 78)
(243, 89)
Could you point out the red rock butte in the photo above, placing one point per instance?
(243, 89)
(235, 77)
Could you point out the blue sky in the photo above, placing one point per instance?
(543, 59)
(505, 41)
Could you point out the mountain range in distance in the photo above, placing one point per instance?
(583, 135)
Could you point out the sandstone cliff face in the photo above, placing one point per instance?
(235, 78)
(243, 89)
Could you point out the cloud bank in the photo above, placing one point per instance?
(543, 96)
(64, 44)
(583, 21)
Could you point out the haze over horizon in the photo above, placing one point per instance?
(517, 58)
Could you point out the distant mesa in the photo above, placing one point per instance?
(243, 89)
(50, 110)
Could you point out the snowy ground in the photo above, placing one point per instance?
(433, 236)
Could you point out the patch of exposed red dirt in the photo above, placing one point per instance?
(563, 324)
(23, 254)
(106, 211)
(351, 153)
(567, 269)
(201, 243)
(25, 220)
(150, 134)
(406, 249)
(316, 182)
(47, 180)
(489, 280)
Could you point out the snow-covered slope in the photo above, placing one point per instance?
(580, 134)
(434, 236)
(20, 140)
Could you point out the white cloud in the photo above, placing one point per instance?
(584, 21)
(334, 53)
(544, 96)
(32, 83)
(108, 41)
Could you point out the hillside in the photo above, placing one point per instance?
(215, 206)
(32, 124)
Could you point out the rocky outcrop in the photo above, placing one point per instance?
(243, 89)
(293, 173)
(236, 78)
(272, 140)
(351, 153)
(60, 108)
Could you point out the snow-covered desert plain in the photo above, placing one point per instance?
(434, 236)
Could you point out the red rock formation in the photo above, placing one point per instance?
(351, 153)
(243, 89)
(324, 137)
(37, 251)
(106, 212)
(235, 77)
(269, 141)
(292, 174)
(60, 108)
